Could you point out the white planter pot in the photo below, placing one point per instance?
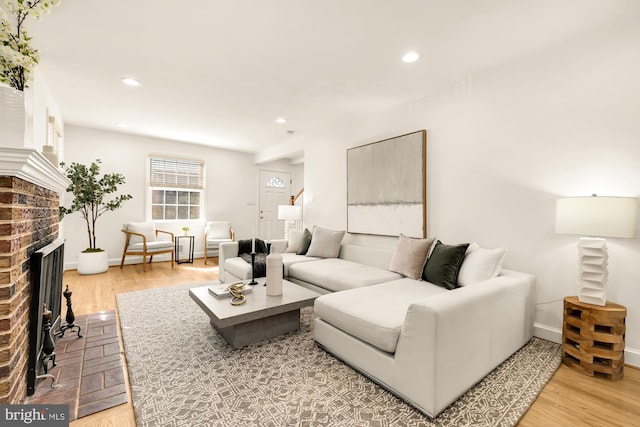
(93, 262)
(12, 117)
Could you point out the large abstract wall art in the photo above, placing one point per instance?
(386, 187)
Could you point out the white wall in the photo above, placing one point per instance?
(297, 177)
(503, 145)
(231, 187)
(39, 106)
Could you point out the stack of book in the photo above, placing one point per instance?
(222, 290)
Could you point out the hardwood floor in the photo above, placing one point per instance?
(98, 292)
(569, 399)
(573, 399)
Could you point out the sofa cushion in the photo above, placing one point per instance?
(375, 256)
(242, 269)
(306, 242)
(238, 267)
(157, 245)
(410, 256)
(480, 264)
(444, 263)
(374, 314)
(295, 240)
(335, 274)
(325, 243)
(289, 259)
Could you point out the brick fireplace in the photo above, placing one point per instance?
(30, 189)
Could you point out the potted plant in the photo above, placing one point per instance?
(185, 230)
(90, 193)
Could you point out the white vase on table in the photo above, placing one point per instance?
(274, 274)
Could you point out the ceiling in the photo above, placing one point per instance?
(219, 72)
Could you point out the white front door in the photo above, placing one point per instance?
(275, 189)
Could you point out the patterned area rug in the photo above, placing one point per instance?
(182, 373)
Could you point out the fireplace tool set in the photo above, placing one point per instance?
(48, 345)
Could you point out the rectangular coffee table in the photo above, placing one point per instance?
(261, 317)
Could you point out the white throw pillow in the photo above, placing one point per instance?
(325, 243)
(410, 256)
(480, 264)
(295, 240)
(146, 228)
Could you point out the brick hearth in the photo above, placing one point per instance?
(28, 222)
(89, 372)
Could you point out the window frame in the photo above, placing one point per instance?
(150, 187)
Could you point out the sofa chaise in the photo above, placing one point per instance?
(423, 342)
(426, 344)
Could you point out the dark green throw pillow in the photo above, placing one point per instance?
(306, 242)
(443, 265)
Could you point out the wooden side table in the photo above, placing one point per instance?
(593, 338)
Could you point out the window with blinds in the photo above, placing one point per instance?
(176, 173)
(176, 188)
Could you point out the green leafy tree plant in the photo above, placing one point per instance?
(90, 194)
(17, 56)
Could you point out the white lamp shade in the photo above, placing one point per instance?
(289, 212)
(597, 216)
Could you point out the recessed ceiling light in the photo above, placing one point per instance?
(410, 57)
(122, 125)
(131, 82)
(281, 120)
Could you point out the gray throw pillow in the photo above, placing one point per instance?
(325, 243)
(295, 241)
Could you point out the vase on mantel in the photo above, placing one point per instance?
(12, 117)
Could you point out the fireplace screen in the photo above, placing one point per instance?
(47, 267)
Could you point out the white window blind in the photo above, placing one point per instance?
(175, 188)
(176, 173)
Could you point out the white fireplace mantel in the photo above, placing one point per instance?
(32, 166)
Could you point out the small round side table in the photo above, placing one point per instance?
(593, 338)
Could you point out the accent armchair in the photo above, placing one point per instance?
(142, 240)
(216, 232)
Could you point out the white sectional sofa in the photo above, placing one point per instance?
(356, 266)
(426, 344)
(232, 268)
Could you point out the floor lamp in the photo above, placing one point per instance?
(290, 214)
(597, 217)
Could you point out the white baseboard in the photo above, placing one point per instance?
(116, 261)
(547, 333)
(631, 355)
(131, 260)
